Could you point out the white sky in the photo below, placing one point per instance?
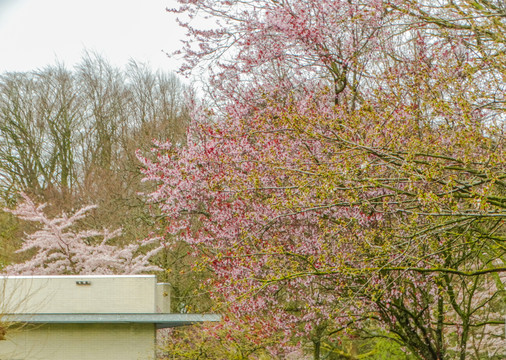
(36, 33)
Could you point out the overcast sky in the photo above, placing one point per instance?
(36, 33)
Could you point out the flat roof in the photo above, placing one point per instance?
(160, 320)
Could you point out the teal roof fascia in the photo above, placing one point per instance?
(161, 320)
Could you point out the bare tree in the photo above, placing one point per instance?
(70, 136)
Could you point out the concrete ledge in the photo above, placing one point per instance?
(160, 320)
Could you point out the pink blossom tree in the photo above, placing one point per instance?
(295, 229)
(60, 247)
(284, 44)
(354, 175)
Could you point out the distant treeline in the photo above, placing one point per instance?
(60, 126)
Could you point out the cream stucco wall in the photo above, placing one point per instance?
(63, 294)
(77, 295)
(80, 342)
(163, 297)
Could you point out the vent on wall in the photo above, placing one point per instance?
(83, 282)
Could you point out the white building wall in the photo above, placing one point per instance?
(163, 298)
(80, 342)
(65, 294)
(81, 294)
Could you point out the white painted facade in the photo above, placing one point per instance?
(79, 341)
(85, 317)
(80, 294)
